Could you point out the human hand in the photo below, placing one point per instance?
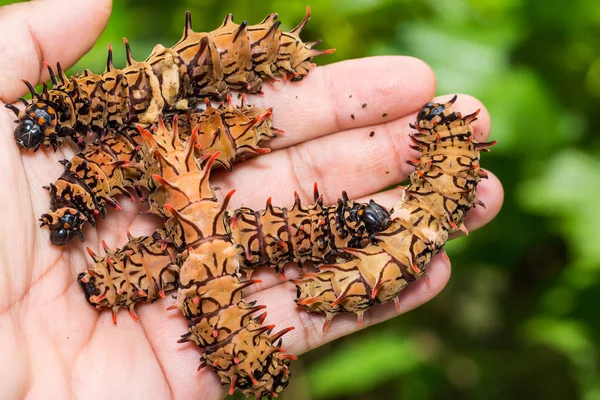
(57, 346)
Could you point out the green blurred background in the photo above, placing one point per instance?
(519, 317)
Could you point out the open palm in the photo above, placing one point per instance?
(346, 127)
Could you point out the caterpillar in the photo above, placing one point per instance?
(441, 191)
(241, 351)
(200, 65)
(199, 237)
(115, 162)
(147, 267)
(317, 233)
(234, 343)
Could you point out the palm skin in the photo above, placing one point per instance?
(57, 346)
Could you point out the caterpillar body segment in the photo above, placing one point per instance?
(433, 205)
(201, 65)
(317, 233)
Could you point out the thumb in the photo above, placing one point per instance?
(45, 30)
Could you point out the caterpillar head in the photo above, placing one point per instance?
(375, 217)
(64, 224)
(37, 124)
(365, 219)
(88, 284)
(433, 114)
(270, 378)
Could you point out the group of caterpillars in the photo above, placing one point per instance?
(151, 137)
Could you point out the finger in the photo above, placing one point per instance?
(489, 191)
(352, 160)
(331, 98)
(32, 32)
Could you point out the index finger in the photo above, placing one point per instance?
(348, 94)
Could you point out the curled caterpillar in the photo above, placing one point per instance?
(91, 180)
(198, 237)
(94, 177)
(200, 65)
(433, 205)
(234, 343)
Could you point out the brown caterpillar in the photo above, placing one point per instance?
(200, 65)
(233, 342)
(112, 164)
(433, 205)
(198, 236)
(317, 233)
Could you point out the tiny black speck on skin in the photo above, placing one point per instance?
(364, 105)
(350, 96)
(384, 115)
(352, 116)
(296, 96)
(387, 172)
(372, 134)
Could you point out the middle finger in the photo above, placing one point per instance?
(357, 161)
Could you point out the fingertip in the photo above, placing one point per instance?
(427, 79)
(349, 94)
(52, 31)
(394, 85)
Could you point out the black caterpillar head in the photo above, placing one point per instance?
(64, 224)
(88, 285)
(36, 125)
(363, 219)
(432, 114)
(375, 217)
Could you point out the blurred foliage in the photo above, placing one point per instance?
(518, 318)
